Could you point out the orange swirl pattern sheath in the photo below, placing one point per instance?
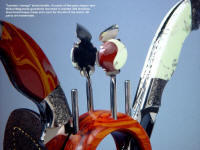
(96, 125)
(27, 66)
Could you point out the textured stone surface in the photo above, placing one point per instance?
(59, 106)
(155, 94)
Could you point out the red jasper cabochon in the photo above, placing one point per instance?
(112, 55)
(106, 56)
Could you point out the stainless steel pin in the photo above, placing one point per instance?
(75, 110)
(113, 97)
(127, 97)
(128, 102)
(90, 105)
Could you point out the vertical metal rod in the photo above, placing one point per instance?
(128, 102)
(89, 92)
(127, 97)
(113, 97)
(75, 110)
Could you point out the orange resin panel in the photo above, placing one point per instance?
(57, 143)
(27, 66)
(95, 126)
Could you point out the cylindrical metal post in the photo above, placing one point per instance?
(113, 97)
(89, 92)
(127, 85)
(75, 110)
(127, 97)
